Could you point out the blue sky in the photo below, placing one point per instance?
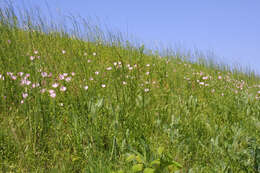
(230, 28)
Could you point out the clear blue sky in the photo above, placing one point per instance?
(231, 28)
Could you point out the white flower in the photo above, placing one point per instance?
(86, 87)
(109, 68)
(44, 74)
(25, 95)
(32, 58)
(63, 88)
(63, 51)
(53, 95)
(146, 90)
(72, 73)
(68, 79)
(94, 54)
(55, 85)
(205, 77)
(103, 85)
(124, 83)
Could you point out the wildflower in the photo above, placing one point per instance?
(86, 87)
(147, 65)
(222, 94)
(61, 77)
(55, 85)
(109, 68)
(43, 90)
(53, 95)
(63, 51)
(65, 74)
(213, 90)
(89, 60)
(91, 78)
(35, 52)
(115, 63)
(22, 101)
(258, 92)
(94, 54)
(205, 77)
(85, 54)
(20, 74)
(27, 82)
(147, 73)
(124, 83)
(103, 85)
(96, 72)
(72, 73)
(68, 79)
(25, 95)
(13, 77)
(130, 68)
(33, 85)
(44, 74)
(201, 83)
(146, 90)
(63, 88)
(219, 77)
(32, 58)
(61, 104)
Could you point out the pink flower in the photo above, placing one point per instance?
(63, 88)
(32, 58)
(72, 73)
(53, 95)
(44, 74)
(55, 85)
(25, 95)
(68, 79)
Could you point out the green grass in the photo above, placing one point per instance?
(123, 110)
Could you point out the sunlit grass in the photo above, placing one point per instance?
(69, 105)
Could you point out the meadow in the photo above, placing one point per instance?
(105, 105)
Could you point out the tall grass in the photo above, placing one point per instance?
(104, 105)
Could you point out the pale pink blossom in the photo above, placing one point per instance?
(103, 85)
(44, 74)
(25, 95)
(68, 79)
(53, 95)
(55, 85)
(32, 58)
(63, 88)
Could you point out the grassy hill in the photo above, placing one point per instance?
(68, 105)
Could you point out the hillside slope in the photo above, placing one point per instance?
(74, 106)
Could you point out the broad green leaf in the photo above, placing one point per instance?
(160, 151)
(155, 163)
(149, 170)
(137, 167)
(130, 158)
(139, 159)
